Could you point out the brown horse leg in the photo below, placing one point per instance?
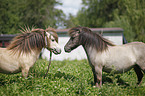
(97, 78)
(139, 74)
(94, 74)
(99, 81)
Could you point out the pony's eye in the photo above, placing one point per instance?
(52, 40)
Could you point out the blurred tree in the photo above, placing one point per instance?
(38, 13)
(127, 14)
(8, 16)
(131, 20)
(71, 21)
(96, 12)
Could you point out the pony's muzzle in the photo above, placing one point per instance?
(67, 49)
(56, 51)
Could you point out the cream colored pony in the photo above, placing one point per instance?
(103, 55)
(24, 50)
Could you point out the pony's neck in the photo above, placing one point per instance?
(94, 41)
(36, 53)
(91, 52)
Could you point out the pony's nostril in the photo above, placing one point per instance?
(67, 49)
(58, 51)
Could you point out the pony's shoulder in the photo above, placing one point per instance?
(3, 50)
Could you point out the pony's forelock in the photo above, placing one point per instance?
(52, 31)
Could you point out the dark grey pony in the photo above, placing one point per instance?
(103, 55)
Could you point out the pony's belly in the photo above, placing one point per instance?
(118, 63)
(7, 71)
(9, 68)
(116, 70)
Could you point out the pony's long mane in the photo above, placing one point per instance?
(52, 31)
(27, 41)
(89, 38)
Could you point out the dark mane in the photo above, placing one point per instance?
(27, 41)
(52, 31)
(89, 38)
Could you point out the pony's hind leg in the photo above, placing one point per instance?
(139, 74)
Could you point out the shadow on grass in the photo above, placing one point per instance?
(4, 82)
(53, 76)
(121, 82)
(65, 76)
(107, 79)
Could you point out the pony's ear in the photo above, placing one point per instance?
(76, 33)
(80, 30)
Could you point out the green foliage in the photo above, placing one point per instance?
(38, 13)
(68, 78)
(122, 22)
(132, 21)
(126, 14)
(8, 16)
(71, 21)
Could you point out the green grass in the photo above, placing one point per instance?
(68, 78)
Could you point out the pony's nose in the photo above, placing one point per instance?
(67, 49)
(56, 51)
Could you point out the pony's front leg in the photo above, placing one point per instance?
(98, 76)
(25, 72)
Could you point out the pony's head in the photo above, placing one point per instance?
(51, 41)
(74, 41)
(35, 40)
(84, 36)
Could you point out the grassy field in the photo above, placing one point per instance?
(69, 78)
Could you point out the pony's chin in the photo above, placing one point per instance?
(68, 51)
